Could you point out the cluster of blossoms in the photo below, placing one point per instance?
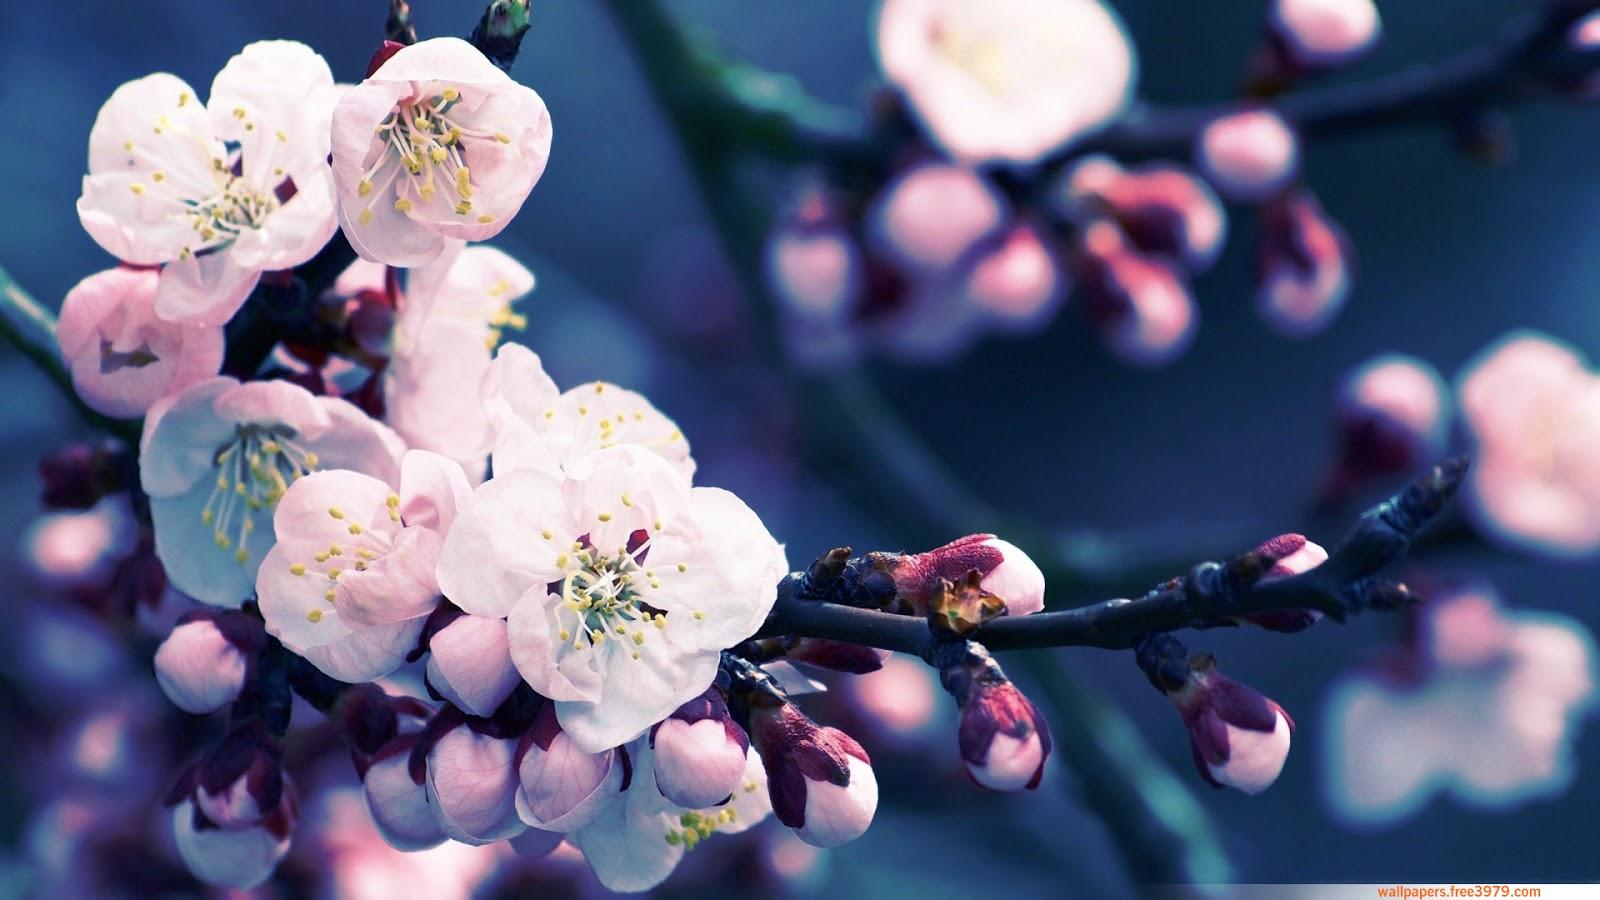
(993, 217)
(377, 493)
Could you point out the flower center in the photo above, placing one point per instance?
(602, 596)
(979, 55)
(219, 218)
(253, 472)
(426, 156)
(364, 546)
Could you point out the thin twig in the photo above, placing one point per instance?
(1210, 595)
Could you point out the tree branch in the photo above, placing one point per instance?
(1210, 595)
(32, 330)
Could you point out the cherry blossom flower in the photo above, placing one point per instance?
(622, 584)
(1248, 155)
(122, 356)
(351, 578)
(164, 187)
(217, 457)
(1325, 32)
(198, 667)
(80, 549)
(640, 836)
(1483, 707)
(1010, 80)
(534, 425)
(1532, 407)
(1240, 739)
(450, 319)
(1303, 266)
(436, 144)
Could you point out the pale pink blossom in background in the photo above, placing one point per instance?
(1325, 32)
(1249, 155)
(1532, 406)
(217, 457)
(122, 356)
(1485, 709)
(1012, 80)
(901, 699)
(813, 262)
(357, 864)
(79, 549)
(164, 187)
(436, 144)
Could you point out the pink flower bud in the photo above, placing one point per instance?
(469, 664)
(240, 858)
(1004, 740)
(239, 782)
(398, 804)
(1248, 156)
(1016, 280)
(1163, 209)
(122, 356)
(1322, 33)
(813, 263)
(1140, 306)
(929, 217)
(561, 787)
(1394, 415)
(1239, 738)
(1302, 266)
(1006, 572)
(1292, 554)
(699, 752)
(199, 668)
(472, 786)
(819, 779)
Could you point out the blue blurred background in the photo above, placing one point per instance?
(1230, 441)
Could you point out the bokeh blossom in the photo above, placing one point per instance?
(1009, 81)
(1532, 407)
(1483, 705)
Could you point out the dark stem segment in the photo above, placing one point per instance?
(1531, 58)
(499, 33)
(1210, 595)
